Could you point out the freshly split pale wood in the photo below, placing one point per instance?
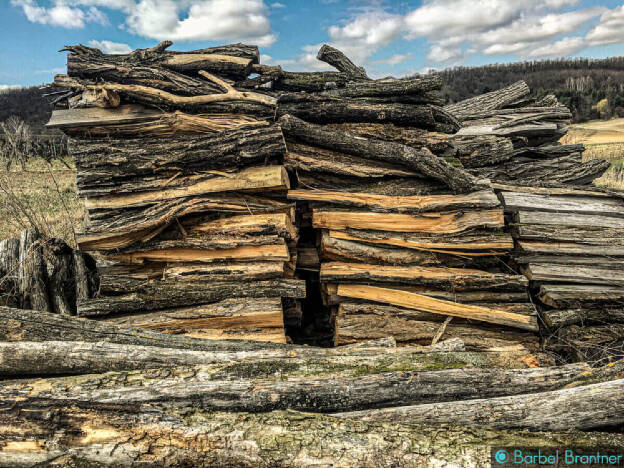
(440, 223)
(407, 204)
(271, 223)
(252, 179)
(487, 243)
(275, 252)
(245, 271)
(437, 306)
(452, 279)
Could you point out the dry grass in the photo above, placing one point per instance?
(604, 140)
(42, 196)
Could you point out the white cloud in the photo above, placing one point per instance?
(396, 59)
(177, 20)
(562, 48)
(51, 70)
(609, 30)
(109, 47)
(60, 14)
(278, 5)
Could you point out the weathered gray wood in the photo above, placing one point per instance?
(569, 219)
(571, 248)
(575, 295)
(388, 87)
(599, 206)
(553, 273)
(591, 316)
(489, 101)
(85, 117)
(586, 408)
(482, 150)
(572, 234)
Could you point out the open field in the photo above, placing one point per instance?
(604, 139)
(43, 196)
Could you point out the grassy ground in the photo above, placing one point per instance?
(604, 139)
(43, 196)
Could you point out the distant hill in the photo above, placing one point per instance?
(29, 104)
(579, 83)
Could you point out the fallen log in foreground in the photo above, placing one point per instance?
(114, 435)
(293, 387)
(585, 408)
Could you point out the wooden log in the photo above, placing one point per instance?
(480, 297)
(421, 160)
(324, 394)
(455, 279)
(139, 433)
(340, 62)
(363, 322)
(271, 252)
(553, 273)
(476, 242)
(280, 224)
(564, 296)
(569, 219)
(570, 248)
(565, 170)
(259, 319)
(590, 261)
(326, 109)
(581, 205)
(311, 82)
(437, 306)
(86, 62)
(555, 319)
(114, 160)
(408, 204)
(245, 51)
(482, 150)
(489, 101)
(61, 279)
(313, 159)
(568, 234)
(116, 229)
(447, 223)
(251, 179)
(155, 295)
(32, 274)
(560, 190)
(248, 271)
(438, 143)
(587, 407)
(388, 87)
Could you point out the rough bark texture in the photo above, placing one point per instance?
(340, 62)
(490, 101)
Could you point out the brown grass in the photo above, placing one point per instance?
(43, 196)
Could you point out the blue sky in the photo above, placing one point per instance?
(387, 37)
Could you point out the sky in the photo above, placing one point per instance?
(387, 37)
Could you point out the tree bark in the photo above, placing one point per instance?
(341, 62)
(154, 295)
(422, 160)
(555, 319)
(586, 408)
(115, 435)
(564, 296)
(489, 101)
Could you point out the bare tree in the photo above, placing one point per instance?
(17, 137)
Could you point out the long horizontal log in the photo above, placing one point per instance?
(564, 296)
(455, 279)
(475, 242)
(421, 160)
(591, 316)
(26, 325)
(437, 306)
(154, 295)
(408, 204)
(388, 87)
(246, 271)
(598, 206)
(587, 407)
(127, 433)
(279, 224)
(482, 150)
(571, 248)
(570, 260)
(446, 223)
(489, 101)
(310, 394)
(568, 234)
(183, 155)
(553, 273)
(569, 219)
(252, 179)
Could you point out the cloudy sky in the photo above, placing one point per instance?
(387, 37)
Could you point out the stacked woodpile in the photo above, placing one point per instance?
(510, 138)
(570, 245)
(44, 274)
(185, 191)
(405, 237)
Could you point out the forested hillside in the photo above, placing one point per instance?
(29, 104)
(581, 84)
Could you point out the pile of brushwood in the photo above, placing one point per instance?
(228, 199)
